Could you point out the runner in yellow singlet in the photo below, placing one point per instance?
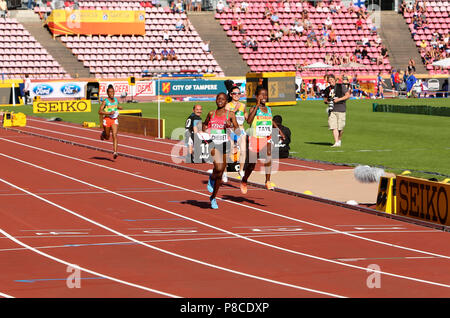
(241, 114)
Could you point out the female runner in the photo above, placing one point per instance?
(109, 109)
(216, 124)
(241, 114)
(259, 144)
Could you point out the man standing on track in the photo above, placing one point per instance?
(109, 109)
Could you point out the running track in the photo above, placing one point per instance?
(138, 229)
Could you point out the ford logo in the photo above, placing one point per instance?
(42, 90)
(70, 89)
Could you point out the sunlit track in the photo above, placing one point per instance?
(84, 269)
(151, 247)
(235, 203)
(207, 225)
(174, 143)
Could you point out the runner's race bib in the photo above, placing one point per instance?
(263, 128)
(218, 136)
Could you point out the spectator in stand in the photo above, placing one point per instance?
(332, 36)
(245, 41)
(166, 36)
(359, 24)
(172, 55)
(234, 24)
(311, 38)
(275, 19)
(26, 89)
(220, 6)
(278, 35)
(384, 52)
(272, 36)
(179, 7)
(156, 3)
(253, 44)
(179, 25)
(164, 55)
(244, 6)
(240, 26)
(3, 9)
(188, 27)
(328, 23)
(205, 47)
(364, 53)
(358, 53)
(153, 55)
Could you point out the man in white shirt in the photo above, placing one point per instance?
(26, 89)
(220, 6)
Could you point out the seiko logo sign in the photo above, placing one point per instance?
(70, 89)
(43, 90)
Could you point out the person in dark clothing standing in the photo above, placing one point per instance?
(335, 97)
(192, 126)
(283, 144)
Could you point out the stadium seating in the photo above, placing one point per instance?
(124, 56)
(292, 49)
(21, 54)
(437, 15)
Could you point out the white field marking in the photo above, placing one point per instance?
(195, 239)
(100, 141)
(380, 228)
(232, 202)
(84, 269)
(151, 246)
(206, 236)
(210, 226)
(137, 148)
(382, 258)
(90, 130)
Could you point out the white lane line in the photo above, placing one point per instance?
(232, 202)
(214, 227)
(6, 295)
(82, 268)
(133, 137)
(193, 239)
(154, 247)
(99, 141)
(93, 131)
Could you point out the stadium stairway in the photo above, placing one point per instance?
(397, 38)
(224, 51)
(55, 48)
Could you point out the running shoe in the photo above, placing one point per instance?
(210, 185)
(244, 187)
(241, 173)
(115, 155)
(213, 203)
(269, 185)
(224, 177)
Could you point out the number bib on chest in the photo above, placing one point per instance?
(263, 128)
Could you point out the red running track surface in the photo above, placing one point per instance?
(138, 229)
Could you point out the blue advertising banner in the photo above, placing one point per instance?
(194, 87)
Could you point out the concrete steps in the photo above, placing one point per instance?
(224, 51)
(55, 47)
(397, 38)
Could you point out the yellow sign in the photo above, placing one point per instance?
(422, 199)
(67, 106)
